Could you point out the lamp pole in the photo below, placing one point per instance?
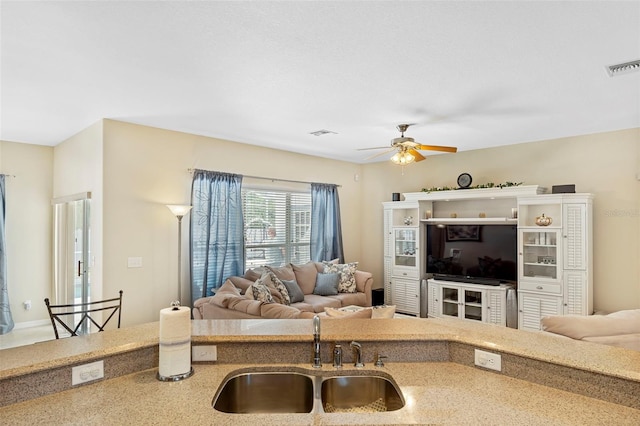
(179, 210)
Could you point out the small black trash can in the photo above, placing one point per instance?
(377, 296)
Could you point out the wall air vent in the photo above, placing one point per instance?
(624, 68)
(322, 132)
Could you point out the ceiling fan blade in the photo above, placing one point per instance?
(379, 154)
(437, 148)
(416, 155)
(375, 147)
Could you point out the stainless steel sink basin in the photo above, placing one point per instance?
(295, 392)
(360, 394)
(265, 392)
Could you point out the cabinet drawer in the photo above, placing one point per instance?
(405, 273)
(541, 287)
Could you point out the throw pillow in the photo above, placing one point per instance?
(270, 280)
(295, 293)
(261, 292)
(384, 311)
(338, 313)
(326, 284)
(347, 272)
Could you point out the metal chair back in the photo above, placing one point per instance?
(57, 313)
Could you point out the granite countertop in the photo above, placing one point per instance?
(435, 392)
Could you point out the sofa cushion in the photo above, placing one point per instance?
(306, 276)
(277, 311)
(295, 293)
(326, 284)
(320, 302)
(579, 327)
(282, 272)
(228, 297)
(241, 283)
(346, 271)
(304, 306)
(346, 299)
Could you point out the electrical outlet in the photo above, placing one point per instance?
(204, 353)
(87, 373)
(488, 360)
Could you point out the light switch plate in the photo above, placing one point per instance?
(134, 262)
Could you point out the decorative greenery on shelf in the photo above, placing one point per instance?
(484, 185)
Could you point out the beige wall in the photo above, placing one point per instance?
(146, 168)
(78, 168)
(28, 230)
(133, 171)
(603, 164)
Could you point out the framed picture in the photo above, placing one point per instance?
(463, 232)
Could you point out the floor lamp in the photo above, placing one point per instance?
(179, 211)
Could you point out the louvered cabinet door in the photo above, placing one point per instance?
(388, 285)
(433, 301)
(575, 236)
(406, 296)
(496, 308)
(575, 299)
(532, 307)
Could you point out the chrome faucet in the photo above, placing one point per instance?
(357, 350)
(316, 342)
(337, 356)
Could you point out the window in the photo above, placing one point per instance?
(277, 225)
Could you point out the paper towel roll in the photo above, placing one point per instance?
(175, 341)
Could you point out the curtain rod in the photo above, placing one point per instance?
(277, 179)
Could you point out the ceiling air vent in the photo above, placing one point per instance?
(322, 132)
(625, 68)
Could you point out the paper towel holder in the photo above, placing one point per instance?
(175, 378)
(175, 305)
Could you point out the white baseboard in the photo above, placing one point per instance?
(29, 324)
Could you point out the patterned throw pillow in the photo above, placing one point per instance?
(347, 271)
(270, 279)
(261, 292)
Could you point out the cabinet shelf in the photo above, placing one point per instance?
(470, 220)
(541, 245)
(473, 304)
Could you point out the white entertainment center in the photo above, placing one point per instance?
(554, 262)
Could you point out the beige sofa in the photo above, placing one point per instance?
(232, 301)
(621, 329)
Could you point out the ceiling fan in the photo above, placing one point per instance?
(407, 148)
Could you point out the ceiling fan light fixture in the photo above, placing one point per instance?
(402, 158)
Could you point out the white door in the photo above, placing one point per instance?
(72, 282)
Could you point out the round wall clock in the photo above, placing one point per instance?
(464, 180)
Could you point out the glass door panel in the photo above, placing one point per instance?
(540, 254)
(405, 244)
(450, 301)
(473, 305)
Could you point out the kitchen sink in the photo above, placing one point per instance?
(360, 394)
(266, 392)
(295, 392)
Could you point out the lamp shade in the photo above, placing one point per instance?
(179, 210)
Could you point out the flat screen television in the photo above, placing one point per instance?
(485, 254)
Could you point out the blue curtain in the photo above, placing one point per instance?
(326, 230)
(6, 321)
(217, 231)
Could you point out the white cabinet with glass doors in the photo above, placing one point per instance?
(555, 260)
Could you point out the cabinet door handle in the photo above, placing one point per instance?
(404, 273)
(539, 287)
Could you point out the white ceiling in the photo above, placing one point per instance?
(469, 74)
